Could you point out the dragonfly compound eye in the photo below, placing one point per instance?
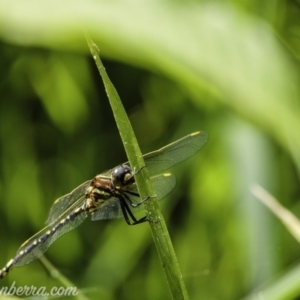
(122, 175)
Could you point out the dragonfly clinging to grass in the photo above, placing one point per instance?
(112, 194)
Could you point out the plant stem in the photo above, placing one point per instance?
(157, 223)
(61, 278)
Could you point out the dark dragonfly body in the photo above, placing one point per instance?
(107, 196)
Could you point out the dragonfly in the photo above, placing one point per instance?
(109, 195)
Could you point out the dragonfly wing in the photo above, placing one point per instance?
(155, 161)
(38, 244)
(111, 209)
(174, 153)
(163, 184)
(62, 203)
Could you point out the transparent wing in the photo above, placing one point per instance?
(38, 244)
(62, 203)
(156, 162)
(162, 184)
(110, 209)
(174, 153)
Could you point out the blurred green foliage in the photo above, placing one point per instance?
(230, 68)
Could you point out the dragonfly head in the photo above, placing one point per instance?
(122, 176)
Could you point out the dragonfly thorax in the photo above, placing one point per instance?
(101, 189)
(104, 187)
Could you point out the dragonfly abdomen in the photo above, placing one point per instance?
(35, 247)
(6, 269)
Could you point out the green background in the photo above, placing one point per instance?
(230, 68)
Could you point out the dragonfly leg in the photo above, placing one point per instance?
(145, 199)
(133, 193)
(128, 213)
(136, 172)
(139, 203)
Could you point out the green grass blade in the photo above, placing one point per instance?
(158, 226)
